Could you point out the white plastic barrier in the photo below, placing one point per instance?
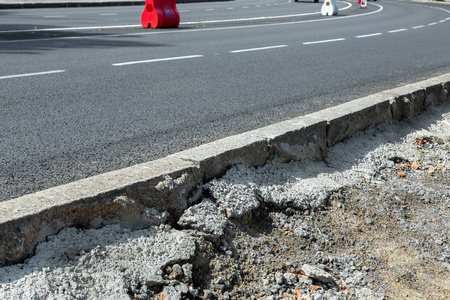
(329, 8)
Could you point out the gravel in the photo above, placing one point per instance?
(371, 221)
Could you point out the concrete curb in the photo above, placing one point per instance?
(56, 4)
(159, 191)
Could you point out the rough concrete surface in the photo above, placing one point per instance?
(173, 183)
(370, 221)
(245, 195)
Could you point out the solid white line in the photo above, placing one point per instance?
(324, 41)
(398, 30)
(259, 49)
(32, 74)
(368, 35)
(417, 27)
(431, 24)
(156, 60)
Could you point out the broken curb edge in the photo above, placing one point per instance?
(158, 191)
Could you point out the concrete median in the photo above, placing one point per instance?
(159, 191)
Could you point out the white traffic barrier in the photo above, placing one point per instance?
(363, 3)
(329, 8)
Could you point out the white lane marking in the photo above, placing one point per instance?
(431, 24)
(259, 49)
(278, 17)
(398, 30)
(258, 6)
(209, 9)
(417, 27)
(111, 14)
(55, 16)
(184, 11)
(175, 31)
(230, 7)
(323, 41)
(156, 60)
(442, 21)
(244, 6)
(368, 35)
(32, 74)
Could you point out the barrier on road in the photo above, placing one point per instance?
(160, 14)
(363, 3)
(329, 8)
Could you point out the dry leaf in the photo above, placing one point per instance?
(364, 180)
(161, 296)
(315, 287)
(297, 294)
(299, 272)
(440, 167)
(430, 171)
(416, 165)
(401, 174)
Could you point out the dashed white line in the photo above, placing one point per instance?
(111, 14)
(398, 30)
(431, 24)
(156, 60)
(368, 35)
(184, 11)
(259, 49)
(32, 74)
(230, 7)
(209, 9)
(417, 27)
(324, 41)
(244, 6)
(442, 21)
(55, 16)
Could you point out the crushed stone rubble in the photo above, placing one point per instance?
(370, 221)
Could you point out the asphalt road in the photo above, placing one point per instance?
(86, 90)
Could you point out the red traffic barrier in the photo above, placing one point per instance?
(160, 14)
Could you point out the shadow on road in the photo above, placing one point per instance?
(14, 39)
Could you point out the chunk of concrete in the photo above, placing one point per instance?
(317, 273)
(205, 217)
